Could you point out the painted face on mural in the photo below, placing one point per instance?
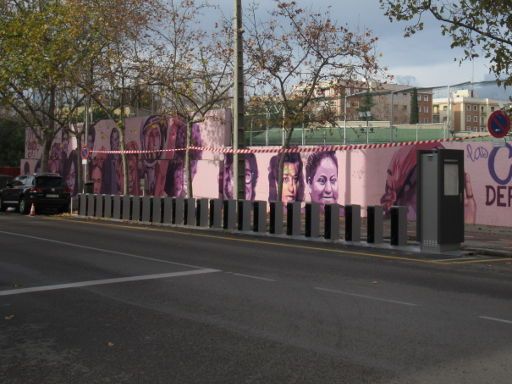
(114, 140)
(133, 174)
(228, 182)
(96, 179)
(71, 176)
(290, 182)
(152, 141)
(323, 185)
(249, 176)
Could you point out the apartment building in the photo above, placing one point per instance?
(465, 112)
(391, 102)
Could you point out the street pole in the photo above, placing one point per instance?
(391, 122)
(345, 119)
(238, 106)
(86, 141)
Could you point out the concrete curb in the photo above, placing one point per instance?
(489, 252)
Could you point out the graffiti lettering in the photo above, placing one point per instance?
(501, 196)
(476, 153)
(492, 165)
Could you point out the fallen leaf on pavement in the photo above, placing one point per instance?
(9, 317)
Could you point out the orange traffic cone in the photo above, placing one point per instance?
(32, 210)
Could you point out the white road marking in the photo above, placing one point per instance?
(105, 281)
(366, 297)
(495, 319)
(101, 250)
(251, 276)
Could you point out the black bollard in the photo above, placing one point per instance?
(293, 219)
(353, 223)
(244, 215)
(374, 224)
(259, 216)
(312, 220)
(202, 213)
(332, 222)
(229, 214)
(276, 217)
(100, 202)
(398, 226)
(118, 207)
(216, 213)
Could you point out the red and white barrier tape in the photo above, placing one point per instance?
(295, 149)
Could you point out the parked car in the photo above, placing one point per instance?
(47, 191)
(4, 180)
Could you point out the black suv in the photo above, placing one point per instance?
(44, 190)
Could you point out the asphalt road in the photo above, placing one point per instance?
(97, 302)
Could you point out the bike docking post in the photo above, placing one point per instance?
(259, 216)
(216, 213)
(127, 207)
(190, 211)
(202, 212)
(107, 206)
(312, 220)
(276, 217)
(118, 207)
(398, 226)
(136, 208)
(353, 223)
(100, 203)
(178, 210)
(91, 204)
(374, 224)
(167, 210)
(293, 219)
(332, 222)
(229, 215)
(82, 204)
(244, 215)
(147, 201)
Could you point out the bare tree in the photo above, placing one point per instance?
(295, 51)
(191, 66)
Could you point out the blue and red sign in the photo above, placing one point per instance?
(85, 153)
(498, 124)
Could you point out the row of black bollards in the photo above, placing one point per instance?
(247, 216)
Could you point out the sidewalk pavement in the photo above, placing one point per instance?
(480, 239)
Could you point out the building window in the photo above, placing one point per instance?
(482, 109)
(426, 108)
(468, 118)
(445, 119)
(475, 108)
(419, 97)
(492, 109)
(468, 107)
(445, 108)
(475, 119)
(425, 97)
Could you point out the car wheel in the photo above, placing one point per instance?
(23, 207)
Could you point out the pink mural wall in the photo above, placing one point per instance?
(385, 176)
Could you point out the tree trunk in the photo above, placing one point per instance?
(49, 133)
(287, 141)
(45, 155)
(79, 168)
(120, 126)
(188, 168)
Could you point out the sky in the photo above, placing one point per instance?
(424, 60)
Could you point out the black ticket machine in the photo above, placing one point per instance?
(440, 199)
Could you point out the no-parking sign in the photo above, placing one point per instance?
(498, 124)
